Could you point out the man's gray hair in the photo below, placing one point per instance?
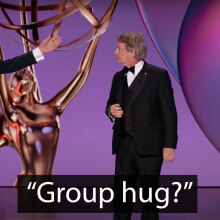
(134, 41)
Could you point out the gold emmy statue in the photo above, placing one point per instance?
(28, 124)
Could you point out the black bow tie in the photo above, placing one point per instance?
(131, 69)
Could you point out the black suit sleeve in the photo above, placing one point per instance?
(168, 111)
(17, 63)
(112, 98)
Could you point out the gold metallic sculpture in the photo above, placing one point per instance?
(29, 125)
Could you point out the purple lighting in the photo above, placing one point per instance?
(198, 58)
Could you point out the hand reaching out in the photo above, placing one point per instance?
(50, 44)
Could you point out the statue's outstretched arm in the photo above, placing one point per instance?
(4, 94)
(63, 98)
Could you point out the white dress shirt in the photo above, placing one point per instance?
(131, 76)
(37, 54)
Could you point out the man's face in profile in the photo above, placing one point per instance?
(123, 56)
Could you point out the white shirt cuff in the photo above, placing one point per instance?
(37, 54)
(112, 117)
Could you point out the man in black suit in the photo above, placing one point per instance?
(142, 107)
(32, 57)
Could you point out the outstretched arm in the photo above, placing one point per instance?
(27, 59)
(17, 63)
(63, 98)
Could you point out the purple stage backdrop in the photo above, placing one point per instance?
(85, 140)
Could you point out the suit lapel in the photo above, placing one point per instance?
(138, 83)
